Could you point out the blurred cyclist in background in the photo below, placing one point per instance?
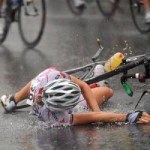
(147, 10)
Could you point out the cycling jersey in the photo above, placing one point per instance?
(37, 85)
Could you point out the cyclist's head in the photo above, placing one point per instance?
(61, 95)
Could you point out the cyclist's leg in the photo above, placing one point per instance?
(146, 4)
(23, 93)
(9, 102)
(147, 10)
(1, 3)
(102, 94)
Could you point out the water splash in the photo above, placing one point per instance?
(127, 49)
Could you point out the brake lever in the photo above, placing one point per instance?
(99, 50)
(144, 92)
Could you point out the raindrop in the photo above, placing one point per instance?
(126, 54)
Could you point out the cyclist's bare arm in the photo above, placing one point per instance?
(107, 117)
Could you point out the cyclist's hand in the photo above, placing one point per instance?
(145, 118)
(138, 117)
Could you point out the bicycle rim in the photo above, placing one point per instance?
(107, 7)
(31, 25)
(73, 9)
(137, 12)
(5, 20)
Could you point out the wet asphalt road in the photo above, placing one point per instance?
(70, 41)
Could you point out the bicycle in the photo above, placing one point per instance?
(108, 9)
(27, 13)
(86, 73)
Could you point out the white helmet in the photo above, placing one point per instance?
(61, 95)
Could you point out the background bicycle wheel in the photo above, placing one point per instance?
(5, 20)
(138, 13)
(31, 27)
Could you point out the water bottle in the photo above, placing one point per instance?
(127, 88)
(99, 69)
(113, 62)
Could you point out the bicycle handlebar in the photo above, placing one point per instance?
(140, 76)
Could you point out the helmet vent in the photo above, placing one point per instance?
(57, 87)
(75, 92)
(69, 97)
(59, 94)
(68, 88)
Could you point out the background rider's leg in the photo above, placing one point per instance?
(1, 3)
(147, 10)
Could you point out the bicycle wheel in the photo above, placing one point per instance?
(5, 20)
(107, 7)
(73, 9)
(137, 12)
(31, 21)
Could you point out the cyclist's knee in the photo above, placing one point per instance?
(111, 92)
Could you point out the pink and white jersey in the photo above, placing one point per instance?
(38, 83)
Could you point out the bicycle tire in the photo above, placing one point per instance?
(6, 15)
(73, 9)
(107, 7)
(27, 26)
(137, 13)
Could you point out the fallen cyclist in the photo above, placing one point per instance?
(55, 97)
